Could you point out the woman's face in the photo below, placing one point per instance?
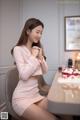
(35, 34)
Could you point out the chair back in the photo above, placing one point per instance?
(11, 83)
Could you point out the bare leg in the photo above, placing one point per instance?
(34, 112)
(43, 104)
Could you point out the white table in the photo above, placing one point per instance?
(62, 101)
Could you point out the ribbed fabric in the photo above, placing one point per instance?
(26, 91)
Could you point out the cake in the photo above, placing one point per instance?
(70, 75)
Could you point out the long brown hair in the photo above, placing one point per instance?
(29, 25)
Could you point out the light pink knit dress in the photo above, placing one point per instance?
(26, 91)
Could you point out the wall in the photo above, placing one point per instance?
(66, 8)
(10, 29)
(0, 30)
(15, 12)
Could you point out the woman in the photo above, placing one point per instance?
(30, 62)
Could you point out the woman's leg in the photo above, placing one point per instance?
(34, 112)
(43, 103)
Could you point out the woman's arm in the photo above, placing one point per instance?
(44, 65)
(25, 69)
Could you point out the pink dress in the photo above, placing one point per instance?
(26, 91)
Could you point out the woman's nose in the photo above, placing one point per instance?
(39, 35)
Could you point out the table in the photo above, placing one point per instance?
(58, 103)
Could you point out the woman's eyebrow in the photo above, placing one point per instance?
(38, 30)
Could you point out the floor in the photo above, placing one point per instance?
(74, 118)
(11, 118)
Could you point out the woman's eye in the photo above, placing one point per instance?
(39, 32)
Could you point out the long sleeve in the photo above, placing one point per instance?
(25, 69)
(44, 66)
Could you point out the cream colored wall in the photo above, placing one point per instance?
(10, 28)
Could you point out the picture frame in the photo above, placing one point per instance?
(72, 33)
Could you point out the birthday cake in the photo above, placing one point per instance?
(70, 72)
(70, 75)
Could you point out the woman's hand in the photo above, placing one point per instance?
(35, 51)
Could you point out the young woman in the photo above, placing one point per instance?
(30, 61)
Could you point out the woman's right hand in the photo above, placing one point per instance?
(35, 51)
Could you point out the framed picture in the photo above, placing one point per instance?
(72, 33)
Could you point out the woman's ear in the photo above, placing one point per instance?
(28, 31)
